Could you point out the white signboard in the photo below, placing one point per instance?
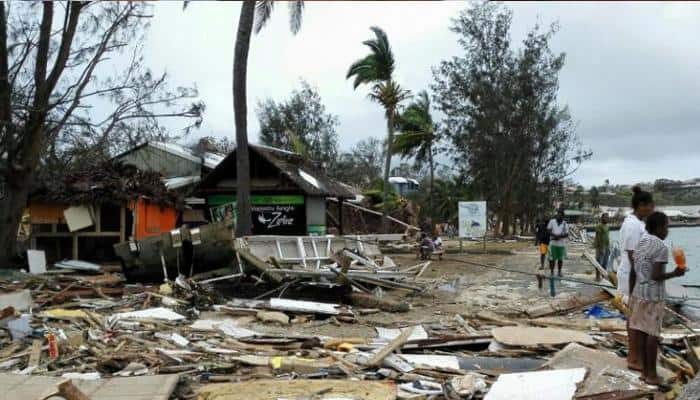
(472, 218)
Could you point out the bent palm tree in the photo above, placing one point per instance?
(240, 109)
(377, 69)
(418, 136)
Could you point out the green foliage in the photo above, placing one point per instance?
(378, 66)
(510, 136)
(362, 165)
(417, 131)
(300, 124)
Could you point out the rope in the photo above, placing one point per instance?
(601, 285)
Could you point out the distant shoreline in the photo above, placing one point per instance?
(616, 227)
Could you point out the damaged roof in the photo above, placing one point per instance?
(108, 181)
(208, 159)
(304, 173)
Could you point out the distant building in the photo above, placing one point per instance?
(404, 186)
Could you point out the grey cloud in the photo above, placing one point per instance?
(630, 79)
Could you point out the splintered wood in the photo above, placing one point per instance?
(566, 303)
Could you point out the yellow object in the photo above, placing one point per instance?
(61, 313)
(618, 303)
(346, 347)
(165, 289)
(543, 248)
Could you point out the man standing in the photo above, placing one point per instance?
(558, 232)
(542, 239)
(601, 243)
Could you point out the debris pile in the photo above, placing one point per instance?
(101, 337)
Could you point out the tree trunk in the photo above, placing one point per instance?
(387, 167)
(12, 206)
(240, 109)
(432, 179)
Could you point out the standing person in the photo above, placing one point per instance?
(631, 232)
(558, 232)
(649, 294)
(601, 243)
(542, 239)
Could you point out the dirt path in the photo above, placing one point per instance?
(459, 288)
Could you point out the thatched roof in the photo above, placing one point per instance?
(102, 182)
(304, 173)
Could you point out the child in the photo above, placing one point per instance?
(649, 294)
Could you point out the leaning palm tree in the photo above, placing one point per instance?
(240, 109)
(377, 69)
(418, 136)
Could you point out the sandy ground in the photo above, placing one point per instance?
(459, 288)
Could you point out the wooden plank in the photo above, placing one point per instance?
(35, 355)
(566, 304)
(399, 341)
(266, 389)
(693, 355)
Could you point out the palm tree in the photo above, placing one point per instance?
(377, 69)
(240, 109)
(418, 136)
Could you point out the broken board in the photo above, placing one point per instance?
(521, 336)
(266, 389)
(154, 387)
(77, 217)
(606, 371)
(541, 385)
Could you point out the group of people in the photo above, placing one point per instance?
(641, 280)
(428, 245)
(641, 274)
(550, 237)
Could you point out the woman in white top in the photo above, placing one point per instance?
(630, 233)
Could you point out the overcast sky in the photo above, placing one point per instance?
(630, 79)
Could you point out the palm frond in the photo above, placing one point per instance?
(263, 12)
(296, 11)
(376, 66)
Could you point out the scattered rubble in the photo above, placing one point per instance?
(246, 335)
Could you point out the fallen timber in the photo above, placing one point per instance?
(300, 349)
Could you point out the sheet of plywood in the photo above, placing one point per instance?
(37, 261)
(154, 387)
(266, 389)
(530, 336)
(541, 385)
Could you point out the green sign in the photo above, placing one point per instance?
(316, 230)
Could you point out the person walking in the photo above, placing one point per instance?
(542, 239)
(558, 232)
(601, 243)
(631, 232)
(649, 294)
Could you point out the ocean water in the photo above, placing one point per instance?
(687, 238)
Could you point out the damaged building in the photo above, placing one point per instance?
(288, 192)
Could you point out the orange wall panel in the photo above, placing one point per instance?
(152, 219)
(41, 213)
